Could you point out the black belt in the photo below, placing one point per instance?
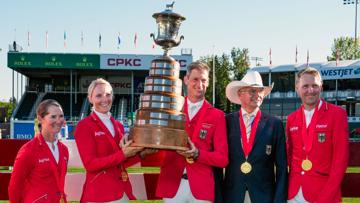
(184, 176)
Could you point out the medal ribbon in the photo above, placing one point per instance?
(248, 145)
(308, 133)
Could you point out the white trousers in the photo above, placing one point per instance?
(299, 198)
(247, 197)
(184, 195)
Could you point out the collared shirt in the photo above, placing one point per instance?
(252, 116)
(54, 149)
(309, 114)
(105, 118)
(193, 108)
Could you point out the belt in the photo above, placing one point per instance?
(184, 176)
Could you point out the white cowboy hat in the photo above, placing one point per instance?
(251, 79)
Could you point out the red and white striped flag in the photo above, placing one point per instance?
(65, 45)
(135, 40)
(270, 57)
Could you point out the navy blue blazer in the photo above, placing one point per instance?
(267, 181)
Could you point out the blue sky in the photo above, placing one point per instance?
(210, 27)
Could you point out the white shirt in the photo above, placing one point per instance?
(252, 116)
(193, 108)
(105, 118)
(55, 151)
(309, 114)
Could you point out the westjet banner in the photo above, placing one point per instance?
(333, 73)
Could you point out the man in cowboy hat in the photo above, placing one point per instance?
(318, 144)
(257, 170)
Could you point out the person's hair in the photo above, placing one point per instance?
(309, 70)
(197, 65)
(43, 108)
(96, 82)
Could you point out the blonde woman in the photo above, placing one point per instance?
(103, 150)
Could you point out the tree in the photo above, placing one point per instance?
(241, 62)
(8, 108)
(346, 48)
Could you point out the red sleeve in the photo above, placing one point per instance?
(219, 156)
(339, 159)
(86, 146)
(288, 140)
(24, 164)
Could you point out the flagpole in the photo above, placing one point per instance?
(213, 70)
(307, 59)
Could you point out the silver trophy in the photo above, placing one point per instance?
(159, 122)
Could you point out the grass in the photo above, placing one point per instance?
(156, 170)
(151, 170)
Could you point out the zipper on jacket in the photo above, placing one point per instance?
(97, 175)
(44, 196)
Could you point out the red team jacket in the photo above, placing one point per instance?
(209, 136)
(36, 176)
(103, 160)
(329, 155)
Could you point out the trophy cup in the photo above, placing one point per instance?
(159, 122)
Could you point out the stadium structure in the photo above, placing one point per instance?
(65, 77)
(341, 86)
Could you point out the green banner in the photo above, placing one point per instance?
(53, 60)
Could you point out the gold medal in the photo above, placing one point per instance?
(124, 176)
(189, 160)
(245, 167)
(306, 165)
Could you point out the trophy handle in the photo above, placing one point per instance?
(153, 36)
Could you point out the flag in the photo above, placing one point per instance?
(337, 57)
(119, 41)
(99, 40)
(296, 54)
(82, 38)
(135, 39)
(153, 45)
(28, 38)
(307, 59)
(270, 57)
(46, 39)
(65, 39)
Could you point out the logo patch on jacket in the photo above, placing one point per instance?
(295, 128)
(321, 126)
(321, 137)
(204, 130)
(268, 149)
(202, 134)
(99, 133)
(43, 160)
